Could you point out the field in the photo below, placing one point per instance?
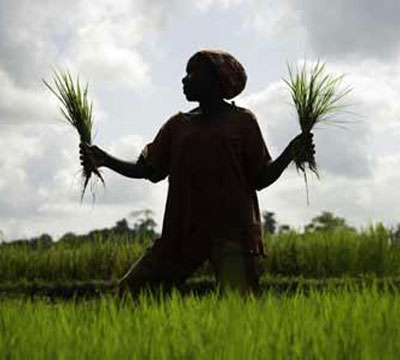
(325, 296)
(310, 255)
(318, 325)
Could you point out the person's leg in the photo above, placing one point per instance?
(235, 269)
(144, 272)
(154, 269)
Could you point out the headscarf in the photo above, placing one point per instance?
(231, 73)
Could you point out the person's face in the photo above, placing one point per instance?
(200, 82)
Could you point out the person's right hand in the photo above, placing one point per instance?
(91, 156)
(302, 147)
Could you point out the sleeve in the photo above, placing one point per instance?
(257, 155)
(157, 154)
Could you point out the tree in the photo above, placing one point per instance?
(284, 229)
(145, 224)
(327, 221)
(69, 238)
(43, 241)
(121, 226)
(269, 222)
(396, 234)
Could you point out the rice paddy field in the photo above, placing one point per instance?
(324, 296)
(359, 324)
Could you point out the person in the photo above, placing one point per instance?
(216, 160)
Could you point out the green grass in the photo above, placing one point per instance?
(347, 324)
(334, 254)
(331, 295)
(313, 255)
(99, 259)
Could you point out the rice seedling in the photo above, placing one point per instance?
(342, 324)
(77, 110)
(317, 97)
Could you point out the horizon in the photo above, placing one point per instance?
(132, 227)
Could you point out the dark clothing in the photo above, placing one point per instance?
(212, 168)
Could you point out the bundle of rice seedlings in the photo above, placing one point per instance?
(317, 96)
(77, 110)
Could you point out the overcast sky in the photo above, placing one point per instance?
(134, 52)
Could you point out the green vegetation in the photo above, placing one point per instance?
(327, 221)
(107, 255)
(97, 258)
(330, 292)
(77, 110)
(342, 252)
(348, 324)
(317, 96)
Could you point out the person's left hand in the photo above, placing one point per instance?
(91, 156)
(302, 146)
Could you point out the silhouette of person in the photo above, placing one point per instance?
(215, 159)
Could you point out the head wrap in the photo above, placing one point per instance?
(230, 72)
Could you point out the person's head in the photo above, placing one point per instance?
(213, 74)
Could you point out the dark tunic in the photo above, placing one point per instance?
(213, 168)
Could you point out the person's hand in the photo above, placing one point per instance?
(302, 147)
(91, 156)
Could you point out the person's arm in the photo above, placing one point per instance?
(93, 156)
(136, 170)
(153, 163)
(271, 171)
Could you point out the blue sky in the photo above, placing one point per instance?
(134, 53)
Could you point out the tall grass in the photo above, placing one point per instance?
(98, 259)
(329, 325)
(332, 254)
(314, 255)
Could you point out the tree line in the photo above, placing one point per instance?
(325, 222)
(143, 229)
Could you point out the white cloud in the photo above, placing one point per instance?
(30, 158)
(275, 20)
(19, 104)
(336, 29)
(128, 147)
(205, 5)
(104, 45)
(107, 63)
(361, 28)
(104, 41)
(28, 34)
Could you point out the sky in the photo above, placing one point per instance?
(133, 54)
